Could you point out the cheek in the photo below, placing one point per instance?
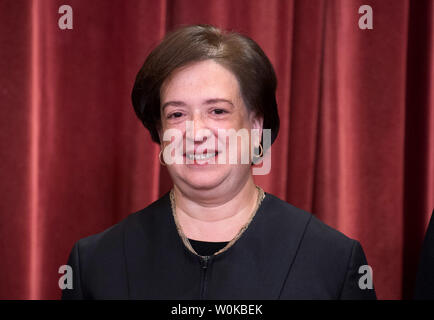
(170, 129)
(236, 121)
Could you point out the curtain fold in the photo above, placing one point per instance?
(355, 148)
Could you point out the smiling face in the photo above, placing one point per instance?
(208, 96)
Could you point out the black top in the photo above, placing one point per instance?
(285, 253)
(206, 248)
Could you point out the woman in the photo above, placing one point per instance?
(215, 235)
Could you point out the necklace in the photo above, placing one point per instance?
(261, 196)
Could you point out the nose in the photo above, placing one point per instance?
(197, 129)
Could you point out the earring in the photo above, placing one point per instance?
(159, 158)
(261, 153)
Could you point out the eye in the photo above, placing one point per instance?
(219, 111)
(174, 115)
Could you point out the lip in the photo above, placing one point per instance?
(203, 151)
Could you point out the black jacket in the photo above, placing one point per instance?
(285, 253)
(424, 289)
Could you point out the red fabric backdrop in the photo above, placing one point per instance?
(356, 145)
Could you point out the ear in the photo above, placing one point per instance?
(257, 122)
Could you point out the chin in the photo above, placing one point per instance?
(204, 181)
(206, 178)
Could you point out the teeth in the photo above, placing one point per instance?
(200, 156)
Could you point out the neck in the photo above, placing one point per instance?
(216, 218)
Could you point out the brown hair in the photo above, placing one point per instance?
(238, 53)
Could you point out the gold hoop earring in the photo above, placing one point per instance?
(159, 158)
(261, 153)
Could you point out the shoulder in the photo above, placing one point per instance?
(319, 246)
(326, 262)
(314, 229)
(102, 256)
(110, 241)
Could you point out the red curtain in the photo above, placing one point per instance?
(356, 145)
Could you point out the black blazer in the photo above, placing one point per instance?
(285, 253)
(424, 288)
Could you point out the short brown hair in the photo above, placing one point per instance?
(238, 53)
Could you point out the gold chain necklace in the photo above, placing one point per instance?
(261, 196)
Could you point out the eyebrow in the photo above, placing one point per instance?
(209, 101)
(173, 103)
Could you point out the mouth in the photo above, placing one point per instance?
(201, 156)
